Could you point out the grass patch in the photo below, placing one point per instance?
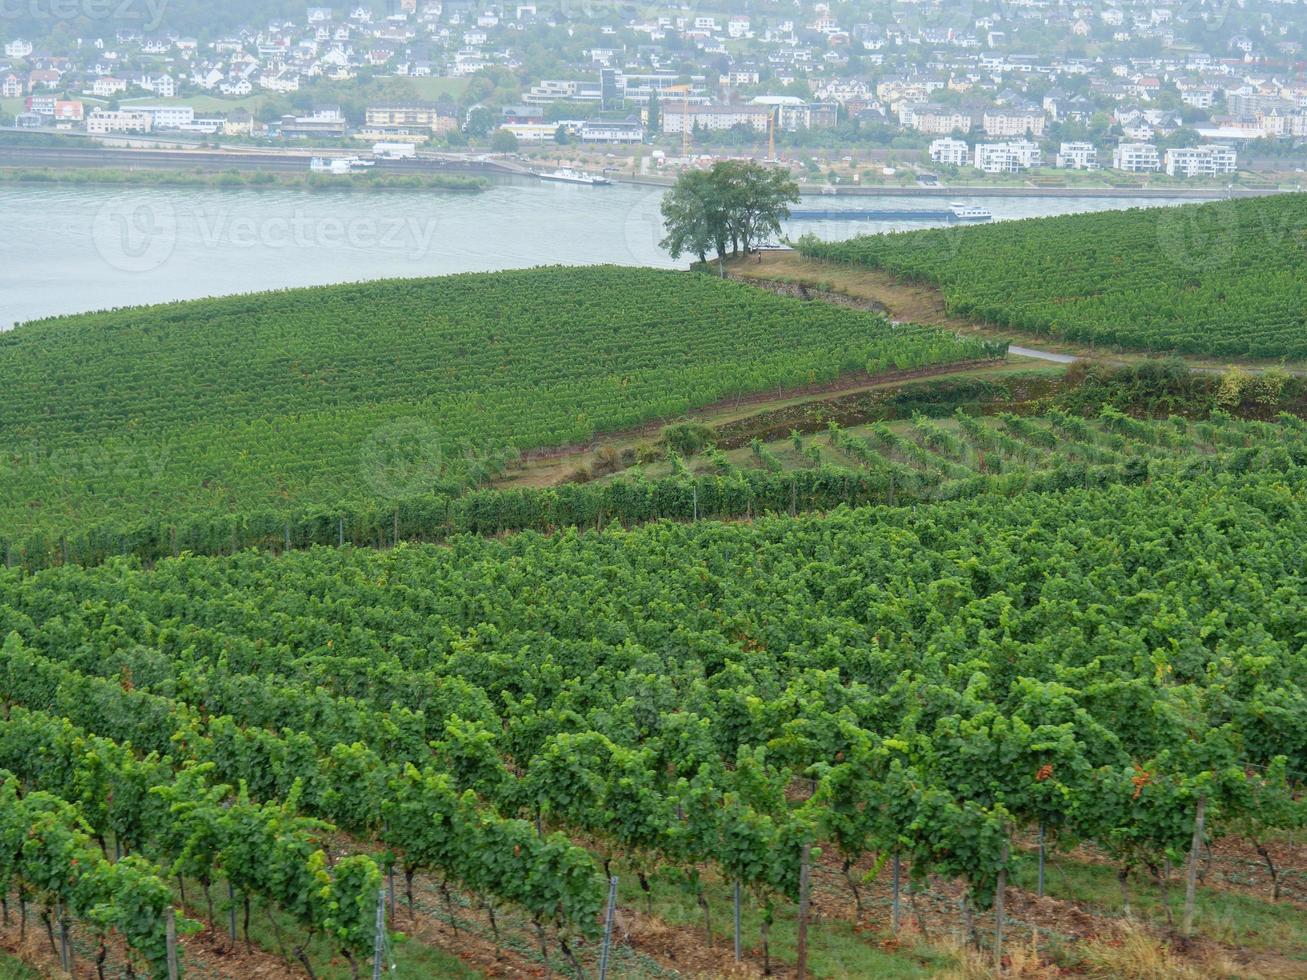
(1230, 917)
(433, 88)
(834, 948)
(12, 968)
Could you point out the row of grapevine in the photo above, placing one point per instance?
(1120, 664)
(875, 477)
(350, 398)
(1221, 278)
(46, 855)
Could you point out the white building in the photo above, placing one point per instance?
(716, 117)
(108, 86)
(532, 132)
(164, 86)
(943, 120)
(1000, 158)
(167, 116)
(954, 153)
(622, 131)
(1201, 161)
(18, 48)
(121, 121)
(1136, 158)
(1078, 156)
(997, 122)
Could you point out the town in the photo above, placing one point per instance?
(1150, 88)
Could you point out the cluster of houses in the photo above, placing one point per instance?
(1004, 73)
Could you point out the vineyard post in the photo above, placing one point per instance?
(231, 911)
(63, 937)
(379, 944)
(170, 937)
(608, 928)
(1040, 890)
(340, 532)
(696, 500)
(390, 874)
(737, 922)
(288, 535)
(1191, 873)
(804, 875)
(896, 906)
(1000, 890)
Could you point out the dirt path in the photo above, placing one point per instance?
(208, 954)
(555, 465)
(879, 290)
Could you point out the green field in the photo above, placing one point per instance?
(937, 458)
(223, 413)
(935, 681)
(1224, 278)
(430, 89)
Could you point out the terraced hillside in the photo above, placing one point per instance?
(1227, 278)
(212, 424)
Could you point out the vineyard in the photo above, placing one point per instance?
(925, 459)
(1223, 278)
(916, 690)
(214, 424)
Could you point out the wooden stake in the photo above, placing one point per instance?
(803, 914)
(1191, 873)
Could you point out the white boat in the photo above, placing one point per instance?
(570, 176)
(970, 212)
(326, 165)
(338, 166)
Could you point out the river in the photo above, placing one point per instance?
(69, 248)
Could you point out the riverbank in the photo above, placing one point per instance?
(280, 161)
(994, 190)
(253, 181)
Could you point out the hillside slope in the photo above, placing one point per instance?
(362, 395)
(1224, 278)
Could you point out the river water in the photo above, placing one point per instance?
(70, 248)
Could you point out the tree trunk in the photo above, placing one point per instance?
(1270, 864)
(648, 892)
(853, 887)
(49, 929)
(707, 912)
(303, 957)
(449, 906)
